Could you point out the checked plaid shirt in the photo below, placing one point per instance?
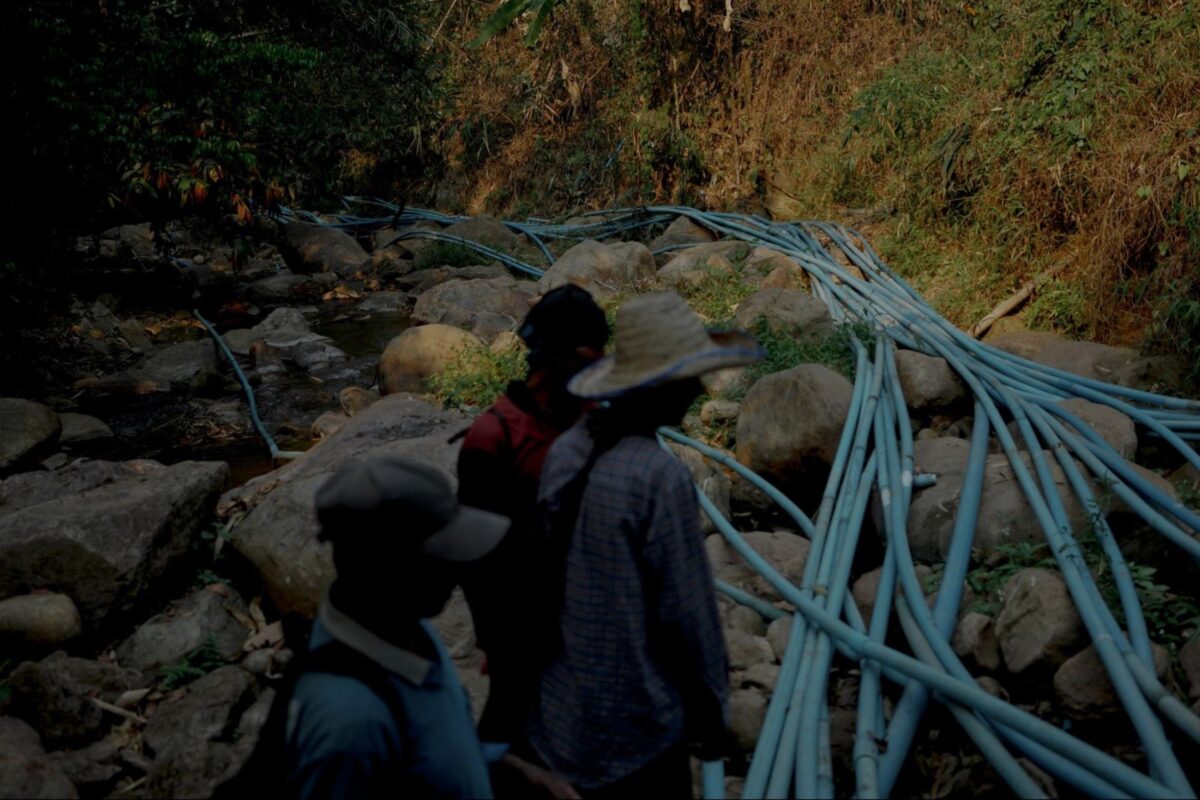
(643, 663)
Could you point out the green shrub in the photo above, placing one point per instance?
(196, 664)
(448, 254)
(476, 377)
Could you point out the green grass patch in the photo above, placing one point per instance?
(716, 296)
(476, 377)
(836, 350)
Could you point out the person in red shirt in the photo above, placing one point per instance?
(499, 470)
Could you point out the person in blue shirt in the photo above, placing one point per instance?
(378, 710)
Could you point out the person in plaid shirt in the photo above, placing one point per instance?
(636, 678)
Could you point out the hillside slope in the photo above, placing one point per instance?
(978, 145)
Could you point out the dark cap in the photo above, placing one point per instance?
(409, 501)
(564, 319)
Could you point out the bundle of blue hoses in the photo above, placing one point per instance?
(875, 456)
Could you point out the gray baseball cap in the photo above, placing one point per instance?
(413, 501)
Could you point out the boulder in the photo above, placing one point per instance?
(423, 280)
(28, 431)
(787, 552)
(602, 269)
(975, 640)
(1084, 688)
(786, 312)
(725, 382)
(316, 356)
(864, 590)
(772, 268)
(30, 488)
(80, 428)
(206, 617)
(485, 307)
(712, 481)
(197, 738)
(684, 271)
(486, 230)
(778, 633)
(746, 620)
(183, 365)
(322, 248)
(1189, 660)
(285, 329)
(720, 412)
(761, 676)
(277, 531)
(790, 425)
(746, 650)
(747, 710)
(1039, 625)
(681, 231)
(384, 303)
(328, 424)
(355, 399)
(693, 258)
(1005, 515)
(420, 353)
(1112, 426)
(55, 696)
(928, 382)
(25, 770)
(109, 547)
(279, 288)
(38, 622)
(1120, 365)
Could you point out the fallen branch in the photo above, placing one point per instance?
(1015, 301)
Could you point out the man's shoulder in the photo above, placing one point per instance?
(343, 704)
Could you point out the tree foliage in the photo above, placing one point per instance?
(150, 108)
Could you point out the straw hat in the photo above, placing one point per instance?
(659, 339)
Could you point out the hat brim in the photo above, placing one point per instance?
(469, 536)
(728, 349)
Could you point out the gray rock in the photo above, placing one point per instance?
(112, 546)
(787, 312)
(93, 768)
(240, 340)
(761, 676)
(316, 356)
(181, 365)
(133, 332)
(192, 736)
(30, 488)
(486, 230)
(790, 425)
(602, 269)
(28, 432)
(975, 639)
(778, 633)
(279, 532)
(384, 303)
(484, 307)
(321, 248)
(1039, 625)
(423, 280)
(355, 399)
(38, 621)
(747, 710)
(720, 412)
(25, 770)
(79, 428)
(772, 269)
(1005, 515)
(1112, 426)
(693, 258)
(1084, 688)
(787, 552)
(54, 695)
(328, 424)
(1189, 660)
(1120, 365)
(204, 617)
(681, 231)
(683, 271)
(419, 353)
(712, 481)
(286, 329)
(746, 620)
(865, 590)
(279, 288)
(928, 382)
(725, 382)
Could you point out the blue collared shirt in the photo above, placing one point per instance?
(343, 740)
